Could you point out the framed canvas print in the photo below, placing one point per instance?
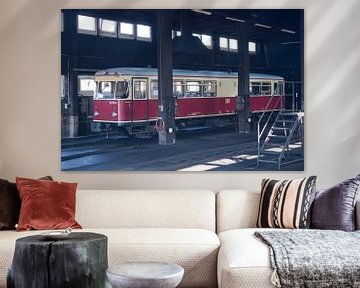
(182, 90)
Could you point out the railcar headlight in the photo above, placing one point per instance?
(114, 114)
(96, 113)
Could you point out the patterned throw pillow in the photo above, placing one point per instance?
(286, 204)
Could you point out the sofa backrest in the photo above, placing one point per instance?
(146, 209)
(236, 209)
(239, 209)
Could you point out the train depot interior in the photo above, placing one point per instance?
(182, 90)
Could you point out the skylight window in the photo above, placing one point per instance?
(86, 24)
(252, 47)
(176, 33)
(107, 27)
(126, 30)
(230, 44)
(233, 45)
(224, 43)
(207, 40)
(143, 32)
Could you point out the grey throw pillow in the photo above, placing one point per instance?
(334, 208)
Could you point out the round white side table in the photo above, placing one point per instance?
(145, 275)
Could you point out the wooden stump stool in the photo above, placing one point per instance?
(78, 261)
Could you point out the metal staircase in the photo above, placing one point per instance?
(280, 135)
(285, 134)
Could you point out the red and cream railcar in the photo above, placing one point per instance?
(129, 96)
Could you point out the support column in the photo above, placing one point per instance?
(301, 105)
(243, 103)
(73, 104)
(166, 121)
(72, 77)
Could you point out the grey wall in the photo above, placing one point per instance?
(30, 87)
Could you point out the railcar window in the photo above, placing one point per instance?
(278, 88)
(105, 90)
(178, 88)
(154, 89)
(122, 90)
(281, 88)
(140, 89)
(265, 88)
(255, 88)
(209, 88)
(193, 89)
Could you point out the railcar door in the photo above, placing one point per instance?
(140, 100)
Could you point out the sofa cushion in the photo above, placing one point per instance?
(196, 250)
(153, 209)
(236, 209)
(46, 204)
(334, 208)
(286, 204)
(244, 260)
(10, 204)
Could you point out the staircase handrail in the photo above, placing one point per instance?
(263, 114)
(260, 134)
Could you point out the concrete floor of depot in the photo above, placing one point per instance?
(194, 151)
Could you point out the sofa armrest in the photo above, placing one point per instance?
(357, 215)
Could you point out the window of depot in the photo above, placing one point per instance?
(252, 47)
(108, 27)
(223, 43)
(233, 45)
(62, 93)
(207, 40)
(175, 33)
(126, 30)
(87, 86)
(143, 32)
(86, 25)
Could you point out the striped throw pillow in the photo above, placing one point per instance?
(286, 204)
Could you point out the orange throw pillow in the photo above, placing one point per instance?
(46, 204)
